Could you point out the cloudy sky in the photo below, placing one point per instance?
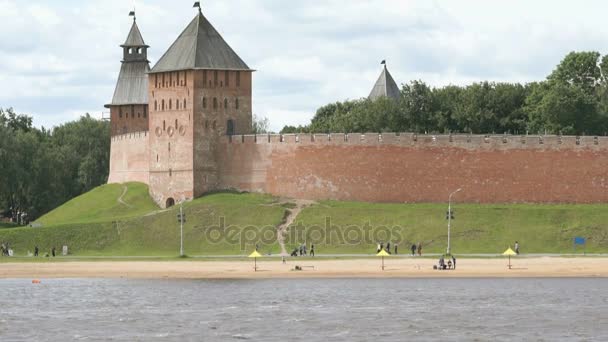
(60, 59)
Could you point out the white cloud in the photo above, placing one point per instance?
(62, 57)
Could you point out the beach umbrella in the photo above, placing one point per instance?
(383, 254)
(509, 252)
(255, 255)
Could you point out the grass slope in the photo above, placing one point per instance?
(107, 228)
(102, 204)
(476, 229)
(97, 224)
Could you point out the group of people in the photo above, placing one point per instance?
(302, 250)
(20, 218)
(380, 247)
(450, 265)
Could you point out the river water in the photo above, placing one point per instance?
(305, 310)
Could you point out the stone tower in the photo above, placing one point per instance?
(199, 90)
(129, 106)
(129, 113)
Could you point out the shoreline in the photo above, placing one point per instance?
(540, 267)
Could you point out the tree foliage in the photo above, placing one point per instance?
(572, 100)
(42, 169)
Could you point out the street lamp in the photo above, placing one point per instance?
(450, 217)
(181, 218)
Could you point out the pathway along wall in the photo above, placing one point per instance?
(411, 168)
(129, 158)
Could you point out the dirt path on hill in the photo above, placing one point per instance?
(289, 219)
(121, 198)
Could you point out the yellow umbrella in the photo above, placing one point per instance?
(509, 252)
(383, 254)
(255, 255)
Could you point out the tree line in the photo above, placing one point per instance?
(42, 169)
(572, 100)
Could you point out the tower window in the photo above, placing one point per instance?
(215, 78)
(226, 78)
(236, 103)
(156, 80)
(145, 112)
(164, 84)
(214, 103)
(225, 103)
(204, 78)
(214, 125)
(177, 78)
(138, 115)
(204, 102)
(170, 104)
(162, 105)
(230, 127)
(139, 50)
(184, 106)
(164, 126)
(155, 105)
(175, 123)
(177, 104)
(238, 78)
(120, 113)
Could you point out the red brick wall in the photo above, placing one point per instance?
(407, 168)
(129, 158)
(171, 136)
(128, 119)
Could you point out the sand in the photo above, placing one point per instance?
(272, 268)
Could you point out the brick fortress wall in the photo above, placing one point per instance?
(129, 158)
(412, 168)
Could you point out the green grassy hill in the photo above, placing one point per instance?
(106, 203)
(111, 222)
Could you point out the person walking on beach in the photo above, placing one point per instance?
(381, 246)
(420, 249)
(517, 247)
(53, 251)
(312, 250)
(454, 261)
(396, 245)
(378, 249)
(413, 248)
(36, 251)
(388, 247)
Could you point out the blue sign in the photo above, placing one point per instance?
(579, 240)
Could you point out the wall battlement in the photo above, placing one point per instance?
(133, 135)
(500, 142)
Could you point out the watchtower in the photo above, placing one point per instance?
(199, 90)
(129, 106)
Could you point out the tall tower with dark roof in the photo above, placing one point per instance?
(199, 90)
(129, 106)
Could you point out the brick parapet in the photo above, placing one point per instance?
(499, 142)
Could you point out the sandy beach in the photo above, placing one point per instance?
(357, 268)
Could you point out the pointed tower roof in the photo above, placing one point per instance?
(200, 46)
(134, 39)
(132, 85)
(385, 86)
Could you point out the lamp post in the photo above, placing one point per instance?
(181, 218)
(450, 216)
